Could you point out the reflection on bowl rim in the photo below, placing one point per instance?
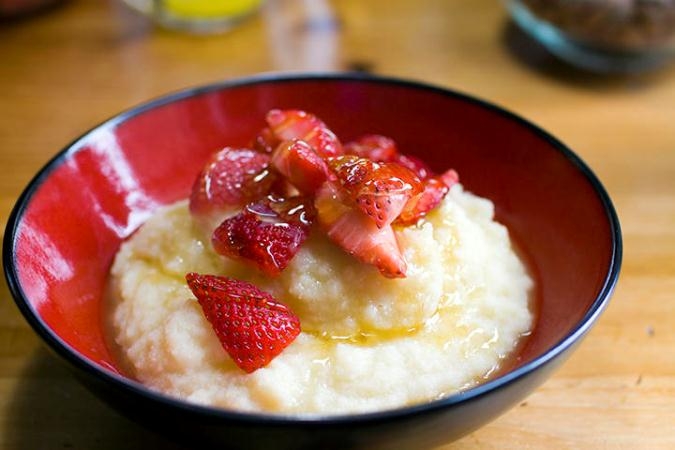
(242, 417)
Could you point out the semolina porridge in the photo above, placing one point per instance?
(367, 343)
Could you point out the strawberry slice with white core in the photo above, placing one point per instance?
(380, 190)
(267, 233)
(383, 196)
(301, 165)
(252, 326)
(296, 124)
(435, 189)
(231, 178)
(357, 233)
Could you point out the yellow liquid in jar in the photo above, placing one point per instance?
(209, 9)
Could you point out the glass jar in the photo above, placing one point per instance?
(198, 16)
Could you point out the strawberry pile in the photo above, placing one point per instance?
(297, 173)
(294, 175)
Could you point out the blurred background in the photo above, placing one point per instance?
(596, 74)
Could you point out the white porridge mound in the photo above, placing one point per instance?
(368, 342)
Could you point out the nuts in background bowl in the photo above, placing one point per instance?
(602, 35)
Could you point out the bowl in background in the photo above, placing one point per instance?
(68, 224)
(604, 36)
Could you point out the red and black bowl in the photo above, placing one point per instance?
(68, 224)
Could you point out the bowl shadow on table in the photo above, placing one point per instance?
(527, 51)
(50, 409)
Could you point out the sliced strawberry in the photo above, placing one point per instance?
(252, 326)
(265, 141)
(375, 147)
(267, 233)
(301, 165)
(380, 190)
(435, 189)
(383, 196)
(450, 177)
(352, 171)
(232, 178)
(380, 148)
(296, 124)
(415, 164)
(357, 233)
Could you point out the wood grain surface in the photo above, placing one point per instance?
(69, 68)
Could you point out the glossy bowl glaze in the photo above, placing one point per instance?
(66, 227)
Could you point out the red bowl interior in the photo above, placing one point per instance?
(73, 217)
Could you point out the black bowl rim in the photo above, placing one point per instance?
(307, 420)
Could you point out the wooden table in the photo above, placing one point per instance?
(64, 71)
